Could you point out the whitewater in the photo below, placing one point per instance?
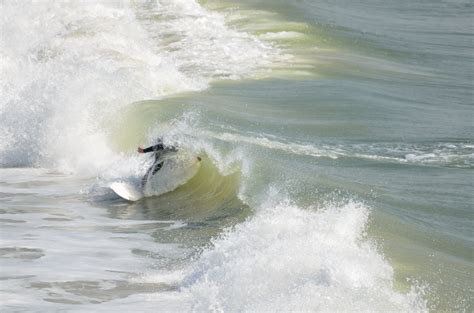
(334, 178)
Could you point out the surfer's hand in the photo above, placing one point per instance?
(140, 150)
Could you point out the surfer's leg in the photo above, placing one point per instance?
(153, 169)
(157, 167)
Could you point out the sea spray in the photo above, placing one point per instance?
(288, 258)
(61, 89)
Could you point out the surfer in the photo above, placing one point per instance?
(159, 149)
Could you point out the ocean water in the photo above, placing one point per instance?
(336, 138)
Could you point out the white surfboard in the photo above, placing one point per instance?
(127, 191)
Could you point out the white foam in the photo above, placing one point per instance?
(75, 66)
(443, 154)
(67, 70)
(288, 259)
(202, 41)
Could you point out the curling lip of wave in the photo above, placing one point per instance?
(91, 60)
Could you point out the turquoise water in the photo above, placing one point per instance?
(337, 146)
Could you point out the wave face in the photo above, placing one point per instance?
(334, 175)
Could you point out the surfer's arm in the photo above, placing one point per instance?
(157, 147)
(151, 148)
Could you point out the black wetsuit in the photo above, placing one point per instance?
(158, 149)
